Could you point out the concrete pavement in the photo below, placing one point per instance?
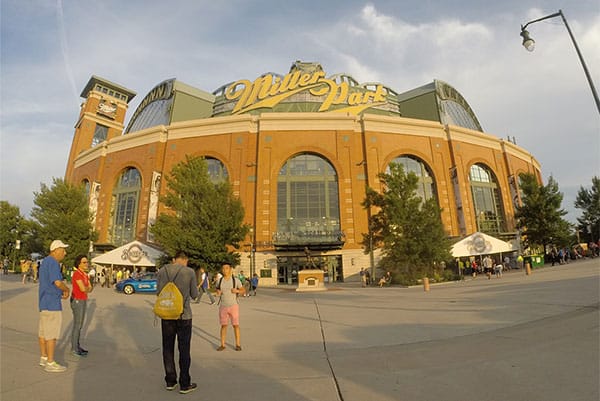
(516, 338)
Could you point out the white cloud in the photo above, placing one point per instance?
(542, 98)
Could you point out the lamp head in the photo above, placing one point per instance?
(528, 43)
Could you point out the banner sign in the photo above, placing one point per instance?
(267, 91)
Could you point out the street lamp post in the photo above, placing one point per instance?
(529, 44)
(252, 267)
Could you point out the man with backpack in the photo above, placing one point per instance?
(228, 290)
(179, 324)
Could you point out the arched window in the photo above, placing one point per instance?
(489, 211)
(308, 207)
(124, 207)
(216, 170)
(86, 185)
(411, 164)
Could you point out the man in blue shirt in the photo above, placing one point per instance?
(51, 290)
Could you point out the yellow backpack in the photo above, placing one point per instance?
(169, 302)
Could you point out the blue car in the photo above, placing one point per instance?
(145, 283)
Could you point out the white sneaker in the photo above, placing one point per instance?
(43, 360)
(54, 367)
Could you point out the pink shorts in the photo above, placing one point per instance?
(229, 312)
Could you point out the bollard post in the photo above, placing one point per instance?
(425, 284)
(527, 269)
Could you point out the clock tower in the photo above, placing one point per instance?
(102, 117)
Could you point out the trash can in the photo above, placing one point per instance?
(537, 261)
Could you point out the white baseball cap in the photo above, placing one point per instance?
(57, 244)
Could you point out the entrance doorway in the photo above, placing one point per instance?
(288, 267)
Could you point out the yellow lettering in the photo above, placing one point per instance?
(268, 91)
(367, 96)
(304, 79)
(379, 95)
(275, 87)
(232, 93)
(355, 98)
(337, 94)
(290, 82)
(316, 76)
(260, 89)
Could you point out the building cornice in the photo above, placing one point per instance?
(473, 137)
(404, 126)
(213, 126)
(330, 121)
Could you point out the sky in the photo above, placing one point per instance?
(50, 49)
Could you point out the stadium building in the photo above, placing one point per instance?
(299, 150)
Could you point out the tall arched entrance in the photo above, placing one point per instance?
(308, 218)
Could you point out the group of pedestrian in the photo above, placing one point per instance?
(228, 289)
(52, 290)
(365, 277)
(29, 270)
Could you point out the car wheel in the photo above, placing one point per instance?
(128, 289)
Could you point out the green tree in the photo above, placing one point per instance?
(408, 229)
(61, 212)
(206, 220)
(11, 228)
(588, 200)
(540, 217)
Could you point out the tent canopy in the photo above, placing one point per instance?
(133, 254)
(479, 244)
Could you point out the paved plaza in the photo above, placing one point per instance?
(521, 338)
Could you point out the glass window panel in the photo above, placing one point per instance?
(307, 195)
(125, 203)
(100, 134)
(489, 211)
(216, 170)
(414, 165)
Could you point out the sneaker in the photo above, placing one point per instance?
(171, 387)
(238, 347)
(43, 360)
(188, 389)
(54, 367)
(78, 353)
(83, 352)
(221, 348)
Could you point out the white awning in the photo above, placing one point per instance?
(480, 244)
(133, 254)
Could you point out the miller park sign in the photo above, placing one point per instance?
(269, 90)
(304, 88)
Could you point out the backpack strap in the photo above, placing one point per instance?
(167, 273)
(221, 280)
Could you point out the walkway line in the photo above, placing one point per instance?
(335, 380)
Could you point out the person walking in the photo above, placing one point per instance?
(363, 277)
(204, 286)
(82, 286)
(26, 270)
(254, 283)
(184, 279)
(51, 290)
(228, 290)
(488, 265)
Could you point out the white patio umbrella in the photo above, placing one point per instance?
(135, 253)
(479, 244)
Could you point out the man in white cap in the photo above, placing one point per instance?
(52, 289)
